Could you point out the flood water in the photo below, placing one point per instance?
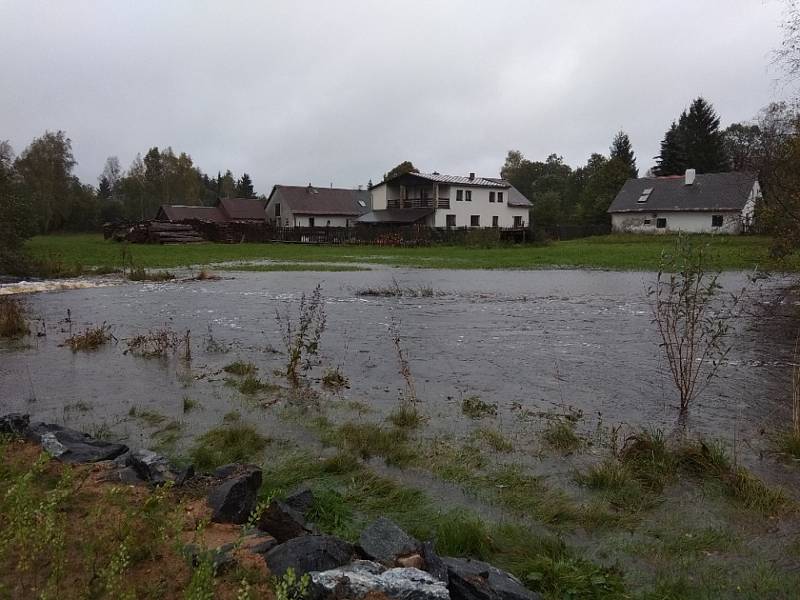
(538, 341)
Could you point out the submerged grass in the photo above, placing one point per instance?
(142, 274)
(240, 368)
(494, 438)
(368, 439)
(227, 444)
(251, 385)
(475, 408)
(560, 435)
(406, 416)
(12, 318)
(335, 379)
(292, 266)
(90, 339)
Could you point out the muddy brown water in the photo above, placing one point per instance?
(530, 341)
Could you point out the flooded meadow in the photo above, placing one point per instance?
(522, 382)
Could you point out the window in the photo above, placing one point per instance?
(459, 195)
(451, 220)
(468, 195)
(518, 222)
(310, 221)
(328, 224)
(716, 220)
(495, 221)
(277, 209)
(362, 204)
(647, 221)
(475, 221)
(661, 223)
(499, 196)
(491, 196)
(645, 195)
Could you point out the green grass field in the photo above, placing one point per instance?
(619, 252)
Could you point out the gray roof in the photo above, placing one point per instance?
(396, 215)
(452, 180)
(309, 200)
(709, 192)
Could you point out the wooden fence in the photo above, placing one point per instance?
(240, 231)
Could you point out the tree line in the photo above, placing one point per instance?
(40, 186)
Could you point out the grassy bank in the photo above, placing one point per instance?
(621, 252)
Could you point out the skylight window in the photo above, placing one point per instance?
(362, 204)
(645, 195)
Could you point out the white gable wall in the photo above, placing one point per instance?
(688, 221)
(480, 205)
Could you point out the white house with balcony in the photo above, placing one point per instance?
(447, 201)
(692, 203)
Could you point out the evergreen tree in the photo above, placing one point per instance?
(672, 160)
(694, 142)
(244, 187)
(622, 150)
(705, 143)
(104, 188)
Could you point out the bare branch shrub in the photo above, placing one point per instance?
(154, 344)
(301, 339)
(405, 369)
(692, 316)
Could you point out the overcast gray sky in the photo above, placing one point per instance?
(340, 91)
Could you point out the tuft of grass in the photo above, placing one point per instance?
(395, 290)
(12, 318)
(227, 444)
(461, 533)
(647, 455)
(251, 385)
(149, 417)
(142, 274)
(154, 344)
(90, 339)
(495, 439)
(406, 416)
(789, 444)
(189, 404)
(240, 368)
(560, 435)
(475, 408)
(206, 275)
(368, 439)
(335, 379)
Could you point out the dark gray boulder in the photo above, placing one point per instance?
(302, 501)
(362, 577)
(156, 469)
(235, 498)
(283, 522)
(70, 446)
(434, 564)
(309, 553)
(384, 541)
(476, 580)
(14, 424)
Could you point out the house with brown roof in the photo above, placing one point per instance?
(309, 206)
(227, 210)
(691, 203)
(448, 201)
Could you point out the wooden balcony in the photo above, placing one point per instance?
(418, 203)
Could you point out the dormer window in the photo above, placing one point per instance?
(645, 195)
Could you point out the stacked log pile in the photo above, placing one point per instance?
(159, 232)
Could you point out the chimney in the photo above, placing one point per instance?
(689, 177)
(471, 176)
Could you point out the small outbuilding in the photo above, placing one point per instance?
(692, 203)
(227, 210)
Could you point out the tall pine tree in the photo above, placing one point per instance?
(694, 142)
(244, 187)
(622, 150)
